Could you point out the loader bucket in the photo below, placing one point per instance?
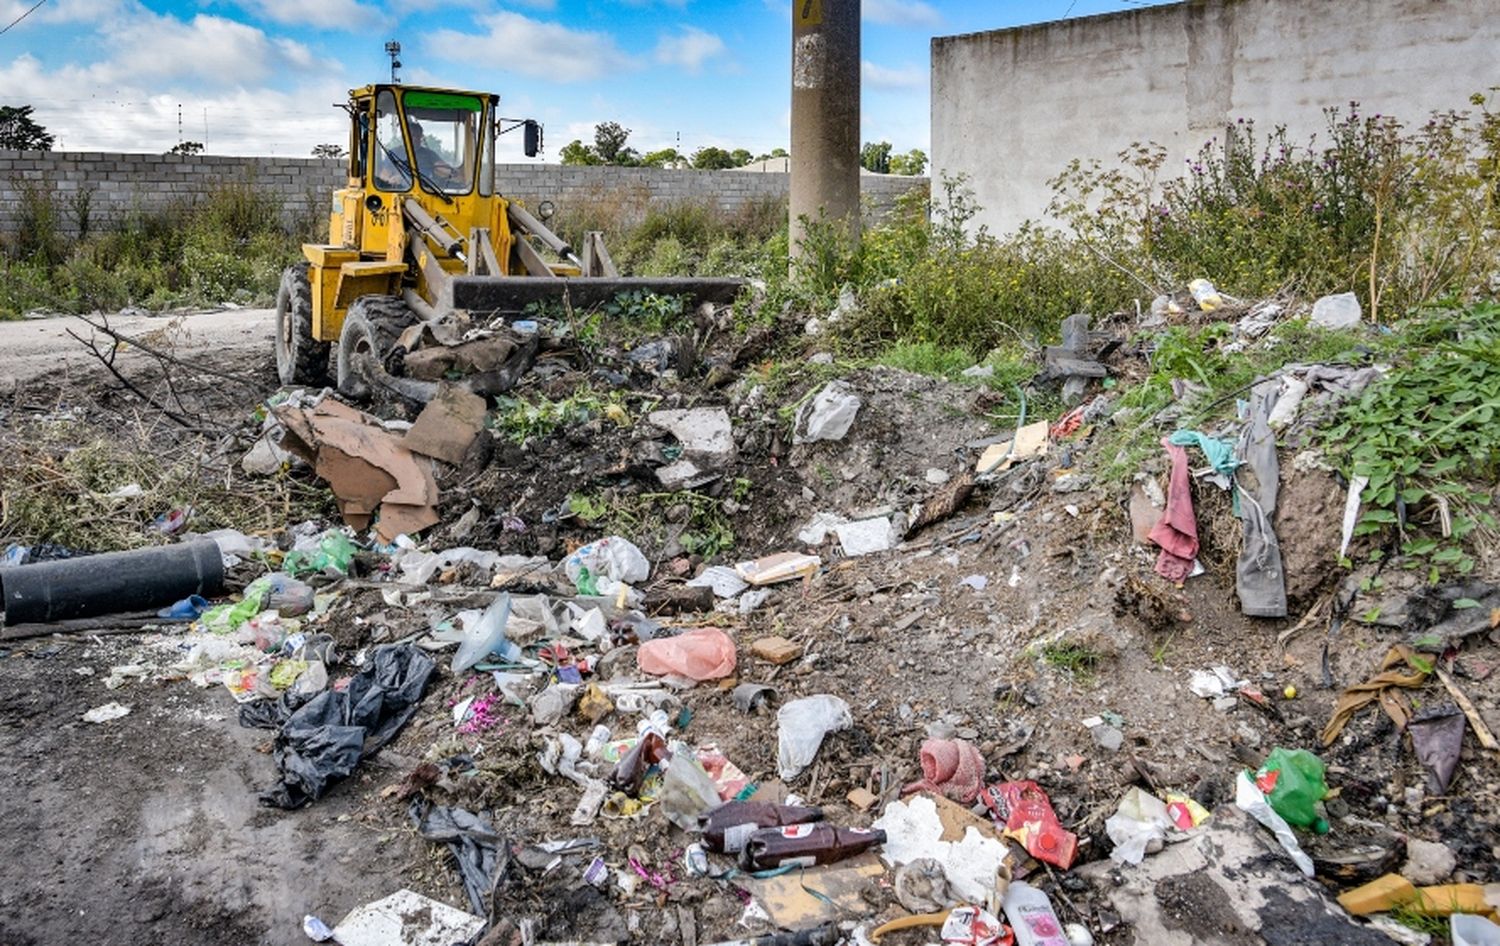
(513, 293)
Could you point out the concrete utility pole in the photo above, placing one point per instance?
(825, 114)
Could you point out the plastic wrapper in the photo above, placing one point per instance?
(687, 791)
(1250, 800)
(603, 567)
(485, 637)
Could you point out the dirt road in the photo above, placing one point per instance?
(37, 347)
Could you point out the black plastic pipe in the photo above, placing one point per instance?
(112, 583)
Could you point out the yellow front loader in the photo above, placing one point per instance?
(422, 246)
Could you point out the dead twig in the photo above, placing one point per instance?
(1486, 738)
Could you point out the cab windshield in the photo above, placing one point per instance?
(444, 132)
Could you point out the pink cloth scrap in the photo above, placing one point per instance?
(950, 766)
(1177, 530)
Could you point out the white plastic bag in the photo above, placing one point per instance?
(803, 724)
(610, 562)
(1470, 930)
(1248, 798)
(828, 416)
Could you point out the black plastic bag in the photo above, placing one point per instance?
(324, 740)
(473, 841)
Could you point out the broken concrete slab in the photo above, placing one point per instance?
(707, 438)
(1226, 884)
(867, 536)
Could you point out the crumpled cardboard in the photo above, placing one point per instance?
(447, 425)
(373, 475)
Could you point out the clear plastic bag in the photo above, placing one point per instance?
(803, 724)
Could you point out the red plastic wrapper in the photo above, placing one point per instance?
(1026, 814)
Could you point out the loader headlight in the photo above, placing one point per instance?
(373, 203)
(545, 210)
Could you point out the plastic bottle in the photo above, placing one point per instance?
(1031, 917)
(631, 770)
(1292, 780)
(1205, 295)
(486, 637)
(729, 826)
(803, 845)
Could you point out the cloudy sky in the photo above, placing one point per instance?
(262, 76)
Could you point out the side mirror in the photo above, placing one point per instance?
(533, 134)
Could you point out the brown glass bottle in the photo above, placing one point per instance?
(727, 827)
(803, 845)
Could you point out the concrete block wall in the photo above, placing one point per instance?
(1011, 108)
(126, 184)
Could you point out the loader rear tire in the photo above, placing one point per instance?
(299, 359)
(364, 354)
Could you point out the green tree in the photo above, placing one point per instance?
(609, 144)
(187, 147)
(19, 132)
(665, 158)
(576, 152)
(328, 151)
(741, 157)
(876, 157)
(713, 159)
(912, 163)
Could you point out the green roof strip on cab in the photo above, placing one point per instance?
(415, 98)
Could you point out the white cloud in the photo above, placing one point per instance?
(881, 77)
(347, 15)
(690, 48)
(59, 11)
(902, 13)
(531, 47)
(210, 50)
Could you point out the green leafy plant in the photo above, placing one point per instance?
(1426, 438)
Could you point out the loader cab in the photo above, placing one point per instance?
(436, 146)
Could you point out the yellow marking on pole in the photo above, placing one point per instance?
(808, 12)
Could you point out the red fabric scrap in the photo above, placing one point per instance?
(950, 766)
(1177, 530)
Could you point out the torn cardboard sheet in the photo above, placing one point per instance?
(447, 425)
(372, 475)
(791, 904)
(1030, 441)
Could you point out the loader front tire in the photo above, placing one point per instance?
(299, 358)
(371, 328)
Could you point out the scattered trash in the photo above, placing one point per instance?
(105, 713)
(1379, 689)
(705, 653)
(1437, 737)
(970, 850)
(1138, 827)
(448, 425)
(1177, 531)
(802, 725)
(1030, 441)
(1205, 295)
(866, 537)
(687, 791)
(725, 581)
(922, 887)
(974, 926)
(472, 841)
(1470, 930)
(776, 650)
(1215, 682)
(486, 636)
(749, 697)
(707, 439)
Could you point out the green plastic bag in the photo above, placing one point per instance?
(1292, 780)
(335, 552)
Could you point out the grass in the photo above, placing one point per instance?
(649, 518)
(55, 486)
(1077, 659)
(1435, 926)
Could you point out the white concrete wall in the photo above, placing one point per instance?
(1010, 108)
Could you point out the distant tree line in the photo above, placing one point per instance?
(610, 147)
